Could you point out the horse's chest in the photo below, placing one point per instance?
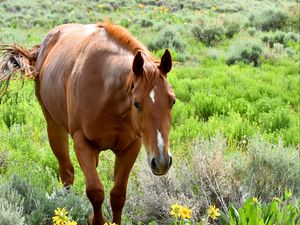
(115, 134)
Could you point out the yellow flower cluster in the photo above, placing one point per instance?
(110, 224)
(255, 200)
(213, 212)
(179, 211)
(61, 217)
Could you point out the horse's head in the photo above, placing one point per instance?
(152, 102)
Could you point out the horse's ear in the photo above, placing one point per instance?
(165, 62)
(138, 63)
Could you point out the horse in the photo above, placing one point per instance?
(100, 85)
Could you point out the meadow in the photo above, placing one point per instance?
(235, 133)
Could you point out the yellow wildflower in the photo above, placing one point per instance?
(60, 217)
(214, 8)
(71, 222)
(185, 213)
(110, 224)
(175, 210)
(213, 212)
(255, 200)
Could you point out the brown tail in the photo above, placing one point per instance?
(16, 58)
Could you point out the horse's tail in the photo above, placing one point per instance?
(16, 58)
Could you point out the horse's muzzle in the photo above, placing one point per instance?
(160, 166)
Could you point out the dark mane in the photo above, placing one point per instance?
(123, 37)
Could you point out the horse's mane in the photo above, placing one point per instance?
(123, 37)
(127, 41)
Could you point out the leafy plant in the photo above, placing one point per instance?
(167, 38)
(244, 51)
(269, 19)
(210, 34)
(252, 212)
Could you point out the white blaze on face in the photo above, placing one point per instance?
(160, 144)
(152, 95)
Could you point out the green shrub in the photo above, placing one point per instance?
(293, 21)
(213, 53)
(231, 28)
(275, 120)
(11, 209)
(167, 38)
(252, 212)
(181, 112)
(269, 19)
(244, 51)
(291, 36)
(39, 206)
(197, 182)
(279, 37)
(251, 31)
(146, 23)
(270, 170)
(209, 105)
(3, 161)
(209, 34)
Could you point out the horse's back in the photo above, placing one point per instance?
(80, 81)
(57, 59)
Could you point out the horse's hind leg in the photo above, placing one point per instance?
(58, 138)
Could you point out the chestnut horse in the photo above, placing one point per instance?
(103, 87)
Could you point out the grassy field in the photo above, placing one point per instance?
(235, 128)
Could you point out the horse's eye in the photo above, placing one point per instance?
(173, 102)
(137, 105)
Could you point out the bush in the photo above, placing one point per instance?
(39, 206)
(167, 38)
(244, 51)
(269, 170)
(275, 120)
(279, 37)
(11, 210)
(213, 53)
(269, 19)
(146, 23)
(251, 31)
(209, 105)
(279, 211)
(293, 21)
(209, 34)
(198, 182)
(231, 28)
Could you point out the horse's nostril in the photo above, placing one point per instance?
(170, 161)
(153, 164)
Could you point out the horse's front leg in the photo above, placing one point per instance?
(88, 157)
(123, 165)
